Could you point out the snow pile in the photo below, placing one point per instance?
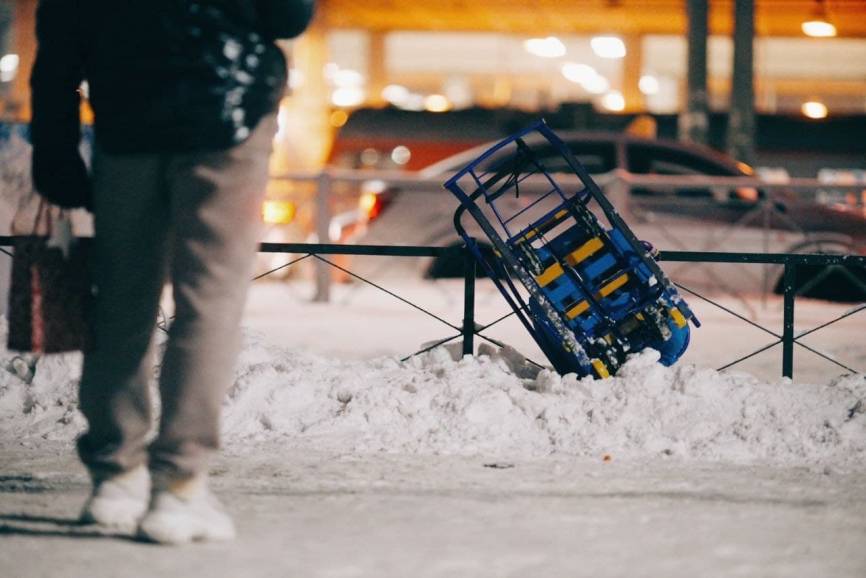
(493, 405)
(38, 396)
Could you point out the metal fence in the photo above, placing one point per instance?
(468, 329)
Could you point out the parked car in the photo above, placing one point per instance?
(699, 218)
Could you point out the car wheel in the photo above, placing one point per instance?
(833, 282)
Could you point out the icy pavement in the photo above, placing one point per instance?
(482, 467)
(313, 514)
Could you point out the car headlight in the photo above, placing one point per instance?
(278, 212)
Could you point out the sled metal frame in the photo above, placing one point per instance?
(541, 318)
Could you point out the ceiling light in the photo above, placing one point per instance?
(814, 109)
(818, 29)
(578, 73)
(586, 76)
(550, 47)
(608, 46)
(597, 85)
(818, 24)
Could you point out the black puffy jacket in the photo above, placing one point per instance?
(164, 76)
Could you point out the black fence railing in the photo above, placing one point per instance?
(468, 329)
(790, 290)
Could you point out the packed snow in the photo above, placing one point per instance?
(493, 404)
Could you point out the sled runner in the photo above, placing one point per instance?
(586, 289)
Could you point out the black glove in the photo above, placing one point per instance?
(62, 178)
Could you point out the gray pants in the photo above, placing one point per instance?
(193, 218)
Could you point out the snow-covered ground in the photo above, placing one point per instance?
(341, 460)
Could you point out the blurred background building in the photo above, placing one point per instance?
(586, 64)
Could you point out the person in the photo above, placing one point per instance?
(184, 96)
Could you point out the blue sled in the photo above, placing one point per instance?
(588, 294)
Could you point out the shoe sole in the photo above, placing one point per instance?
(123, 515)
(178, 530)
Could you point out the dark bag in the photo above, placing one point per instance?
(50, 292)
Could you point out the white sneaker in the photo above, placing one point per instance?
(118, 501)
(185, 512)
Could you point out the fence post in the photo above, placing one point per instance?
(789, 285)
(468, 301)
(323, 221)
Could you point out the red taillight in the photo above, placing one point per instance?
(371, 205)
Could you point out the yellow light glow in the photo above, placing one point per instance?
(338, 118)
(818, 29)
(436, 103)
(814, 109)
(278, 212)
(367, 202)
(746, 168)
